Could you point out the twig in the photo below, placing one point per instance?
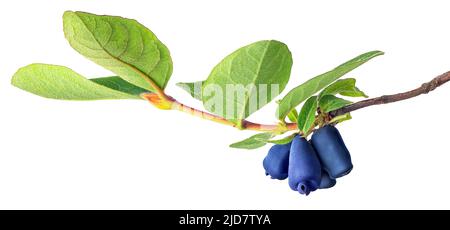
(247, 125)
(423, 89)
(173, 104)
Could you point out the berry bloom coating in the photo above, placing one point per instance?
(326, 181)
(333, 154)
(276, 162)
(304, 167)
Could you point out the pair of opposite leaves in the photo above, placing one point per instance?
(142, 62)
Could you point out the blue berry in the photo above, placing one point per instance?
(326, 181)
(333, 154)
(277, 160)
(304, 167)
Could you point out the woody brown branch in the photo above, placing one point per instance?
(423, 89)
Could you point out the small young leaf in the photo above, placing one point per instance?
(117, 83)
(329, 103)
(121, 45)
(344, 87)
(193, 88)
(341, 118)
(257, 71)
(282, 141)
(307, 114)
(59, 82)
(314, 85)
(253, 142)
(293, 115)
(355, 92)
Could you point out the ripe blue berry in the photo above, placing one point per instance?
(333, 154)
(304, 167)
(326, 181)
(277, 160)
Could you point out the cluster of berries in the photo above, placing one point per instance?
(310, 165)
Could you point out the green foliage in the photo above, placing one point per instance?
(307, 114)
(256, 73)
(263, 62)
(59, 82)
(117, 83)
(293, 116)
(193, 88)
(314, 85)
(341, 118)
(253, 142)
(121, 45)
(329, 103)
(283, 140)
(344, 87)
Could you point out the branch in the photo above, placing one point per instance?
(163, 101)
(423, 89)
(171, 103)
(247, 125)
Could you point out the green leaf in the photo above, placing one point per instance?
(314, 85)
(59, 82)
(247, 79)
(293, 115)
(253, 142)
(355, 92)
(341, 118)
(282, 141)
(117, 83)
(121, 45)
(193, 88)
(307, 114)
(329, 103)
(344, 87)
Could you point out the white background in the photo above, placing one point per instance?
(129, 155)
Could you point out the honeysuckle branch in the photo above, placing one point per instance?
(247, 125)
(423, 89)
(262, 127)
(163, 101)
(201, 114)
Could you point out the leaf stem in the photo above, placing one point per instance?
(158, 90)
